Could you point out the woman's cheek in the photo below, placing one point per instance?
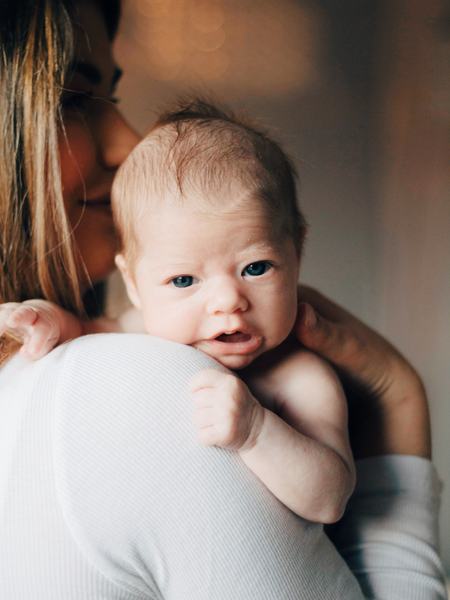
(97, 243)
(77, 161)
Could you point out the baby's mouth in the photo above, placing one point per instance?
(233, 338)
(239, 343)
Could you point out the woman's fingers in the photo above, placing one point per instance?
(352, 346)
(326, 307)
(340, 344)
(395, 418)
(334, 333)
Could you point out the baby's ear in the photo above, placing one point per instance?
(128, 279)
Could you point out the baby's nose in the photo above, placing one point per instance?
(226, 298)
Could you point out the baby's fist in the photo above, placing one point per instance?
(225, 412)
(32, 321)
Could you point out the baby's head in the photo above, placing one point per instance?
(211, 234)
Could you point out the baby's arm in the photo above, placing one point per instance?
(302, 454)
(41, 325)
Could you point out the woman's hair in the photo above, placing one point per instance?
(37, 253)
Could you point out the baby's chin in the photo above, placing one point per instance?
(235, 362)
(240, 357)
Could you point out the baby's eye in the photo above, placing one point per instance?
(257, 269)
(182, 281)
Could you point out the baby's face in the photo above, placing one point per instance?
(216, 281)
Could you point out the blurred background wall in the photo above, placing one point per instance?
(358, 93)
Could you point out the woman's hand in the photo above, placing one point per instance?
(387, 400)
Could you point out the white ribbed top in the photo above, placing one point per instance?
(105, 494)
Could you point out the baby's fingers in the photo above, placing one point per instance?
(6, 310)
(205, 379)
(204, 417)
(22, 317)
(41, 337)
(207, 436)
(38, 346)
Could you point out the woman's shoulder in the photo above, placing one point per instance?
(115, 360)
(122, 435)
(104, 348)
(116, 394)
(105, 359)
(122, 378)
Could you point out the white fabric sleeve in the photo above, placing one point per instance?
(389, 534)
(155, 513)
(161, 517)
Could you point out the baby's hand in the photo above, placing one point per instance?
(225, 412)
(35, 322)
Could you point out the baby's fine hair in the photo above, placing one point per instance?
(199, 150)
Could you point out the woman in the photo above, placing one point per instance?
(103, 491)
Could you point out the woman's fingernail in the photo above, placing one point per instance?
(308, 315)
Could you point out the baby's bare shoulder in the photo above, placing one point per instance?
(297, 377)
(302, 366)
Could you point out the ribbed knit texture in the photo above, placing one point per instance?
(105, 494)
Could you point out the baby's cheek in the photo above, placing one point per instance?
(169, 325)
(283, 322)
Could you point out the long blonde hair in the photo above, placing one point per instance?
(36, 250)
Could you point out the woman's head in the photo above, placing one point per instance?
(61, 141)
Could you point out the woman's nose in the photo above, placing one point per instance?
(117, 138)
(226, 298)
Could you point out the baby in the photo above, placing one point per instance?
(211, 239)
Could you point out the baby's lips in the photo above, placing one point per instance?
(235, 337)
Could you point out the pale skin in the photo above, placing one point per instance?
(346, 342)
(99, 140)
(395, 415)
(295, 440)
(237, 301)
(321, 325)
(297, 446)
(96, 140)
